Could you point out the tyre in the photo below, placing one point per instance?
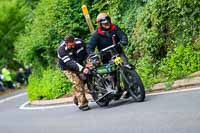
(136, 90)
(96, 93)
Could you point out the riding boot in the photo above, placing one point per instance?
(84, 108)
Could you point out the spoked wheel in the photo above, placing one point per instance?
(97, 91)
(136, 87)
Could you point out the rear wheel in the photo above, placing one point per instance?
(135, 86)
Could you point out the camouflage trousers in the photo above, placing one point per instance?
(78, 88)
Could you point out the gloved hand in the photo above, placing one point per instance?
(82, 76)
(122, 43)
(86, 70)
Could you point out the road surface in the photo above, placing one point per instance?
(160, 113)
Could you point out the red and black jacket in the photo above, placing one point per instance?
(101, 39)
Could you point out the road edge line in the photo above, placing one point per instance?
(23, 106)
(173, 91)
(13, 97)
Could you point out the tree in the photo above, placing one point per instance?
(12, 23)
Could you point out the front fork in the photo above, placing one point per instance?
(121, 71)
(127, 84)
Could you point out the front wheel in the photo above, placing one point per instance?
(134, 84)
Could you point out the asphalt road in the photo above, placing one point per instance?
(166, 113)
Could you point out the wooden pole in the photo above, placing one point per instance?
(87, 18)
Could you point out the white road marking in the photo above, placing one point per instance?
(23, 106)
(173, 91)
(13, 97)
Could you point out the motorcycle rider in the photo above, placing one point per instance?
(72, 54)
(106, 35)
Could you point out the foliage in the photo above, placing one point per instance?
(49, 84)
(181, 62)
(163, 25)
(167, 31)
(12, 22)
(147, 70)
(53, 19)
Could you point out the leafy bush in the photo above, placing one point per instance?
(147, 69)
(52, 20)
(181, 62)
(49, 84)
(162, 30)
(161, 25)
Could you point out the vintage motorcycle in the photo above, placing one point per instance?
(100, 79)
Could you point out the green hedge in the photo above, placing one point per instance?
(49, 84)
(166, 35)
(162, 25)
(181, 62)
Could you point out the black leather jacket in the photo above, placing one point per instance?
(72, 59)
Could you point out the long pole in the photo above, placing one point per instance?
(87, 18)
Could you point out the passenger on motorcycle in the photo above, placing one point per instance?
(106, 35)
(72, 54)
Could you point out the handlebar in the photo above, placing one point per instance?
(101, 51)
(93, 56)
(96, 58)
(107, 48)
